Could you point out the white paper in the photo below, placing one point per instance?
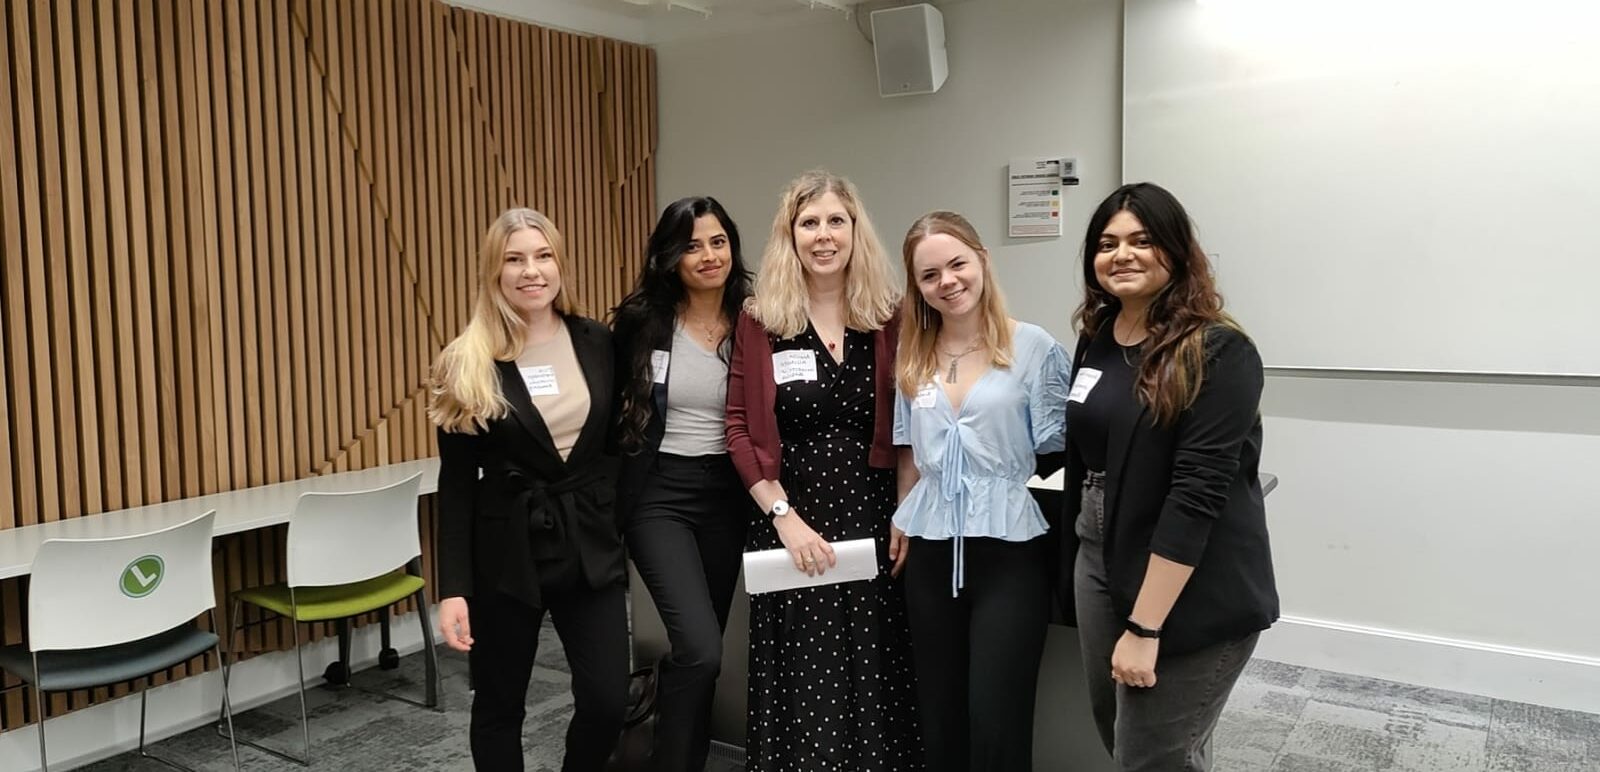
(540, 380)
(1054, 482)
(1035, 197)
(1083, 384)
(772, 570)
(795, 365)
(659, 359)
(926, 396)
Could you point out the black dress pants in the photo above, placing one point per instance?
(686, 538)
(978, 654)
(593, 627)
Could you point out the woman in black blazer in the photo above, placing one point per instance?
(1173, 576)
(683, 506)
(523, 401)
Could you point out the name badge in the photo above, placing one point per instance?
(1083, 384)
(926, 396)
(659, 359)
(796, 365)
(540, 380)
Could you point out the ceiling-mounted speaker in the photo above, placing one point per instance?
(908, 43)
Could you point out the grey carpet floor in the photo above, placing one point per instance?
(1281, 718)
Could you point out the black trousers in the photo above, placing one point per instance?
(978, 654)
(593, 626)
(687, 539)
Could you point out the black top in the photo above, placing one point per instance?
(1102, 386)
(512, 513)
(1189, 492)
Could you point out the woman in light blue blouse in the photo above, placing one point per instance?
(980, 396)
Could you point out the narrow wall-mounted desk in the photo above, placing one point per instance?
(237, 511)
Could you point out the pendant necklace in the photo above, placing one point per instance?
(956, 358)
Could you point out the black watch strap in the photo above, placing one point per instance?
(1142, 631)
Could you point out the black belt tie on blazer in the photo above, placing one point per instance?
(564, 525)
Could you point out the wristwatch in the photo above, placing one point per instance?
(779, 508)
(1142, 631)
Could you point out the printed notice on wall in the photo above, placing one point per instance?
(1035, 197)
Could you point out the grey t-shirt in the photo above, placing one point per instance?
(697, 398)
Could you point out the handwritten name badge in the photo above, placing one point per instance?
(540, 380)
(795, 365)
(659, 359)
(1083, 384)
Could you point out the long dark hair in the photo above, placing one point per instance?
(647, 315)
(1172, 366)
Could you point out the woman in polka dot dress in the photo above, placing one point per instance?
(810, 415)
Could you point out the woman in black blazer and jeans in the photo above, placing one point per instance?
(523, 401)
(683, 506)
(1173, 577)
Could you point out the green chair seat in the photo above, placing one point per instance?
(317, 604)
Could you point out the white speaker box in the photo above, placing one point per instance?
(908, 43)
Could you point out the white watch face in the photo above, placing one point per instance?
(780, 508)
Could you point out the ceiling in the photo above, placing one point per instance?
(659, 21)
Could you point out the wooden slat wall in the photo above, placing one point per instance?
(235, 234)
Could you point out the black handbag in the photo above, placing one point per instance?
(635, 745)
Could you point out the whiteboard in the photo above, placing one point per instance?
(1384, 184)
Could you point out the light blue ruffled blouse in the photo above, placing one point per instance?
(975, 462)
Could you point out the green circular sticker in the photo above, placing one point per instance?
(142, 576)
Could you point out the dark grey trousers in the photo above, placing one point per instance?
(1164, 728)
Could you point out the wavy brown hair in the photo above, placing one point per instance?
(1173, 364)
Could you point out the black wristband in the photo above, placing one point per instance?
(1142, 631)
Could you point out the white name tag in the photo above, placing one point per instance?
(659, 359)
(1083, 384)
(540, 380)
(796, 365)
(926, 396)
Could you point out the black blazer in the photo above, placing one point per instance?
(1190, 493)
(636, 463)
(531, 514)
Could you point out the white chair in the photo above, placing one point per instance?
(349, 554)
(105, 611)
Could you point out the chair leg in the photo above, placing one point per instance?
(234, 624)
(430, 654)
(232, 617)
(227, 704)
(38, 704)
(300, 666)
(144, 703)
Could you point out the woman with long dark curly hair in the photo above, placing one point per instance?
(1173, 577)
(684, 510)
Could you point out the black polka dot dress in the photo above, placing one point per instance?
(831, 682)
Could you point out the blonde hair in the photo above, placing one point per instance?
(918, 357)
(781, 303)
(464, 389)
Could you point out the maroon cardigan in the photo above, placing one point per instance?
(753, 440)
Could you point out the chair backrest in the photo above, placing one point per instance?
(338, 538)
(87, 593)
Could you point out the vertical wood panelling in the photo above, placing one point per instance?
(236, 233)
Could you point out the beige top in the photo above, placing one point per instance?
(555, 382)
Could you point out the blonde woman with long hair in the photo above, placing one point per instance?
(981, 397)
(810, 395)
(522, 399)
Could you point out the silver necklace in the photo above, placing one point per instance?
(956, 358)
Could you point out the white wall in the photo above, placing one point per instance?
(742, 115)
(1431, 533)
